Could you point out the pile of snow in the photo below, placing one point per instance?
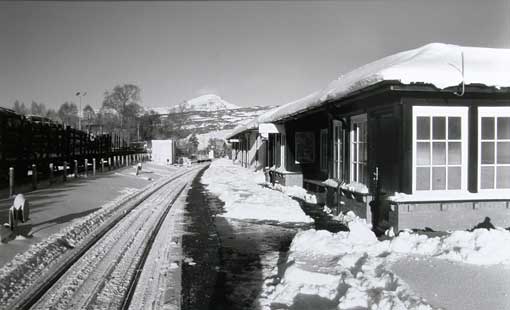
(300, 193)
(245, 198)
(355, 187)
(351, 270)
(436, 64)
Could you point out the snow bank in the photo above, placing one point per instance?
(244, 197)
(350, 270)
(30, 267)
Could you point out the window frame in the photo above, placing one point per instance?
(442, 111)
(492, 112)
(358, 119)
(338, 150)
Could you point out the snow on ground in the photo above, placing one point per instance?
(27, 267)
(352, 270)
(245, 198)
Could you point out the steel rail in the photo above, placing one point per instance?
(146, 251)
(34, 295)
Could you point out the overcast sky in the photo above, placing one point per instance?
(249, 53)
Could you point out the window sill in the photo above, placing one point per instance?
(449, 196)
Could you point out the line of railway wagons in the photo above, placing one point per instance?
(28, 140)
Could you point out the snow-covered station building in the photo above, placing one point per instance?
(416, 139)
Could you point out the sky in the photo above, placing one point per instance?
(249, 53)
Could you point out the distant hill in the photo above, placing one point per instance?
(203, 103)
(207, 117)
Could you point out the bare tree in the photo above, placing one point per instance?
(19, 107)
(125, 100)
(68, 113)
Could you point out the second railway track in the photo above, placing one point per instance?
(103, 273)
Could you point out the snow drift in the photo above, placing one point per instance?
(350, 270)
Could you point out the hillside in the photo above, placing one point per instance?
(207, 103)
(208, 124)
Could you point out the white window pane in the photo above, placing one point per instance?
(487, 177)
(503, 127)
(487, 128)
(438, 178)
(422, 178)
(362, 174)
(423, 153)
(423, 127)
(363, 152)
(487, 152)
(503, 177)
(439, 127)
(503, 156)
(454, 153)
(439, 153)
(454, 177)
(354, 132)
(363, 132)
(454, 128)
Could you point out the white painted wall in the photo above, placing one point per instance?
(163, 150)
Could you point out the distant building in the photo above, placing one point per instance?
(413, 140)
(163, 151)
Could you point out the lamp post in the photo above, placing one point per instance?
(80, 113)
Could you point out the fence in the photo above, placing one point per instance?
(54, 149)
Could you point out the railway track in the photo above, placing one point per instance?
(104, 271)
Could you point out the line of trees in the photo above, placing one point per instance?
(120, 111)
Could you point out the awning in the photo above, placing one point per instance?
(266, 128)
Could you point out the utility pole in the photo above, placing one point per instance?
(80, 113)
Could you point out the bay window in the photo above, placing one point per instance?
(493, 148)
(439, 148)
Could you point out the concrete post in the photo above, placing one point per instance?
(11, 181)
(126, 160)
(86, 169)
(93, 166)
(102, 165)
(75, 168)
(64, 175)
(34, 176)
(51, 173)
(109, 163)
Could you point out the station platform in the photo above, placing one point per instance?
(54, 207)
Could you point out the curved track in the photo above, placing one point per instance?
(104, 273)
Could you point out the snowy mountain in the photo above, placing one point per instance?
(203, 103)
(216, 123)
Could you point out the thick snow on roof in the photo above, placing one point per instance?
(252, 124)
(436, 63)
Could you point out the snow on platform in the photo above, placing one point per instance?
(54, 208)
(245, 198)
(353, 270)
